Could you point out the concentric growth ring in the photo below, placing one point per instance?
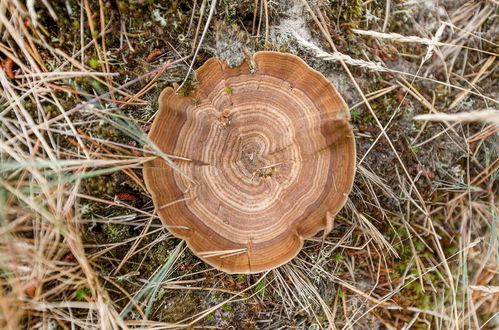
(269, 157)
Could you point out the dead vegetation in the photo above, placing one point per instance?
(81, 246)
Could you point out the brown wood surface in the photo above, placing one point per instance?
(271, 153)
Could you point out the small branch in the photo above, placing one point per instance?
(490, 116)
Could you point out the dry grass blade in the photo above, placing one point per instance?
(82, 246)
(490, 116)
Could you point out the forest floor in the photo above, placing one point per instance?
(416, 246)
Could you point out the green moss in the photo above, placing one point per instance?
(97, 86)
(234, 11)
(337, 258)
(160, 253)
(82, 294)
(188, 88)
(347, 13)
(416, 286)
(485, 317)
(99, 186)
(354, 114)
(419, 245)
(260, 287)
(106, 131)
(51, 110)
(451, 250)
(240, 277)
(401, 267)
(94, 63)
(264, 174)
(116, 233)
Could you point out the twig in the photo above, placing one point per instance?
(207, 25)
(97, 98)
(463, 94)
(490, 116)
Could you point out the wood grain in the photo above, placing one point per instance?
(271, 153)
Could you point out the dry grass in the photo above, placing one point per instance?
(416, 245)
